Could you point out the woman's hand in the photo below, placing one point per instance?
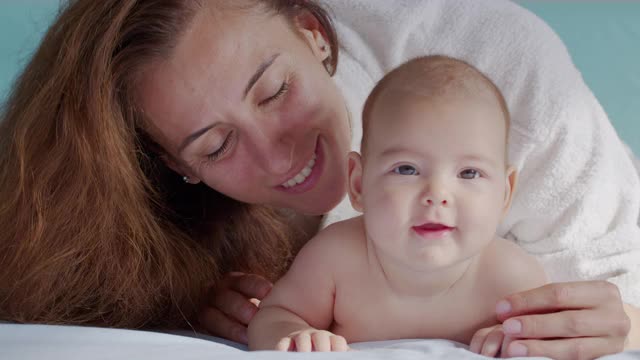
(576, 320)
(232, 304)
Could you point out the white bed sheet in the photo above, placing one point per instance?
(69, 343)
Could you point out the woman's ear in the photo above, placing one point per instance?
(355, 181)
(313, 33)
(510, 188)
(186, 174)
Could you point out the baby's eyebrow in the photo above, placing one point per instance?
(399, 150)
(480, 159)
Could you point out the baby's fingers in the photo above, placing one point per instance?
(303, 342)
(493, 343)
(285, 344)
(321, 341)
(338, 343)
(478, 340)
(307, 341)
(326, 341)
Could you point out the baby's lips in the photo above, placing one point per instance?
(432, 227)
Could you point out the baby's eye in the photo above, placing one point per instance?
(469, 174)
(405, 170)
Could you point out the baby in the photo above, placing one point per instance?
(423, 261)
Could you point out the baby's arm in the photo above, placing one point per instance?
(299, 308)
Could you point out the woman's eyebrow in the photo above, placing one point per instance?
(189, 139)
(261, 69)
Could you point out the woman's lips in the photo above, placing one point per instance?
(432, 230)
(312, 179)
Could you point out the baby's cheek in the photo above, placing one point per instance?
(481, 214)
(391, 202)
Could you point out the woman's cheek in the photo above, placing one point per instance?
(303, 106)
(293, 105)
(235, 176)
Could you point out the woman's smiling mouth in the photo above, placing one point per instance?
(306, 178)
(302, 175)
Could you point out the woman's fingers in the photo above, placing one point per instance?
(239, 294)
(579, 320)
(218, 324)
(565, 324)
(559, 296)
(569, 349)
(249, 285)
(234, 305)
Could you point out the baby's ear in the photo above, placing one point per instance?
(511, 179)
(355, 180)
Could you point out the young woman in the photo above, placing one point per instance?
(154, 150)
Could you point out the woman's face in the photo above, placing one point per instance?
(245, 105)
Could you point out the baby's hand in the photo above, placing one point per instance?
(312, 340)
(489, 341)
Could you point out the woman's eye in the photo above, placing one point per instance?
(283, 89)
(405, 170)
(222, 149)
(469, 174)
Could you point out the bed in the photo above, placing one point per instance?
(603, 38)
(28, 342)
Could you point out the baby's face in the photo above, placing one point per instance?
(435, 184)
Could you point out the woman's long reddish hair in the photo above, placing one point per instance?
(94, 229)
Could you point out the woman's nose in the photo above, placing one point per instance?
(278, 156)
(275, 147)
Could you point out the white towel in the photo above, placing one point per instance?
(577, 203)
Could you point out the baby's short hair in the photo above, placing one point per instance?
(434, 76)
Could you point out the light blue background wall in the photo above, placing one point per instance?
(602, 36)
(22, 24)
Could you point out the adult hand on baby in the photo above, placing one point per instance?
(576, 320)
(312, 340)
(232, 304)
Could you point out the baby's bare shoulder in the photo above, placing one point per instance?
(343, 239)
(341, 234)
(511, 269)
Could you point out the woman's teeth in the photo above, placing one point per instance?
(302, 175)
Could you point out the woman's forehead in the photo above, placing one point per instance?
(216, 48)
